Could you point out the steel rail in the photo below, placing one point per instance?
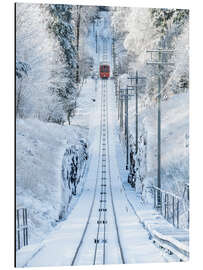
(112, 200)
(102, 183)
(104, 234)
(94, 196)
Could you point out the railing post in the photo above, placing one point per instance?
(159, 201)
(178, 214)
(18, 228)
(170, 207)
(165, 204)
(188, 197)
(21, 226)
(26, 227)
(154, 198)
(188, 221)
(173, 210)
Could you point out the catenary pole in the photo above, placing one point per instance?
(136, 78)
(124, 96)
(159, 134)
(136, 110)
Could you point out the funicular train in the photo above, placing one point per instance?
(104, 70)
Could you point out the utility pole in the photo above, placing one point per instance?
(93, 24)
(160, 62)
(136, 78)
(116, 84)
(124, 95)
(96, 41)
(118, 93)
(121, 108)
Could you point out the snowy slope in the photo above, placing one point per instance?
(174, 139)
(40, 148)
(174, 142)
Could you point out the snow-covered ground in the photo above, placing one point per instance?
(40, 149)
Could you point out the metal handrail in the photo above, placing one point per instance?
(167, 192)
(21, 228)
(169, 205)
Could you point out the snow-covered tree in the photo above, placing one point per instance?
(83, 16)
(38, 57)
(61, 24)
(119, 32)
(143, 29)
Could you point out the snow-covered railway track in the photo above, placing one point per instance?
(112, 201)
(93, 201)
(102, 220)
(102, 193)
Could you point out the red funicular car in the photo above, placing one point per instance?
(104, 71)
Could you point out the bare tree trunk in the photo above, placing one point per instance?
(18, 101)
(68, 117)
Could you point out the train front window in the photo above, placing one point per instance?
(106, 68)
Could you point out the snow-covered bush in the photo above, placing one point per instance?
(73, 166)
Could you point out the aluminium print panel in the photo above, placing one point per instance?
(102, 135)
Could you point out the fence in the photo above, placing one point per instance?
(21, 228)
(172, 207)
